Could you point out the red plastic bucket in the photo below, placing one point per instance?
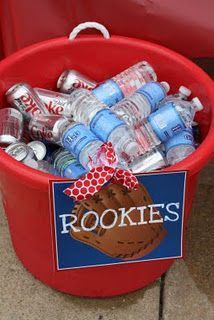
(26, 191)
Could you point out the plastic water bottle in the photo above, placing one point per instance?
(67, 165)
(106, 125)
(141, 103)
(179, 146)
(83, 106)
(41, 165)
(183, 94)
(168, 121)
(73, 136)
(84, 145)
(81, 143)
(152, 160)
(125, 83)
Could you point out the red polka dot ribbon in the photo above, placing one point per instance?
(94, 180)
(105, 156)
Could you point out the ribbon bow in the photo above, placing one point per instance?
(94, 180)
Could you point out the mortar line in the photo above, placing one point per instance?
(161, 298)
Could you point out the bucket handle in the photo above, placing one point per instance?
(90, 24)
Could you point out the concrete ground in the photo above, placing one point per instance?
(186, 292)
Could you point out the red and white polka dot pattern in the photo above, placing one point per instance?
(93, 181)
(107, 150)
(105, 156)
(126, 178)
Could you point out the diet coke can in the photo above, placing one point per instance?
(72, 79)
(55, 102)
(23, 97)
(11, 126)
(47, 127)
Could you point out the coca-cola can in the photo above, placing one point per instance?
(47, 127)
(11, 126)
(23, 97)
(72, 79)
(55, 102)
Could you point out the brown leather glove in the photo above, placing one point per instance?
(124, 242)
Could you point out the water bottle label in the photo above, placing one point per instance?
(76, 138)
(184, 137)
(73, 169)
(166, 122)
(154, 92)
(108, 92)
(103, 123)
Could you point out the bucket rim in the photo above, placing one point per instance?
(193, 164)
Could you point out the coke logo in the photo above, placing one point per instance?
(30, 105)
(41, 133)
(80, 84)
(53, 108)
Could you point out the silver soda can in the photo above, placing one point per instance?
(152, 160)
(18, 151)
(25, 135)
(47, 127)
(11, 126)
(23, 97)
(72, 79)
(22, 153)
(55, 102)
(39, 149)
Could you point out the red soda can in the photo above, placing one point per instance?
(23, 97)
(47, 127)
(72, 79)
(11, 126)
(55, 102)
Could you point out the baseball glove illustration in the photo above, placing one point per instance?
(128, 242)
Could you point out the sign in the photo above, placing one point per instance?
(118, 225)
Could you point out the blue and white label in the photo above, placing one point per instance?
(109, 93)
(88, 238)
(166, 122)
(76, 138)
(154, 93)
(185, 137)
(74, 170)
(103, 123)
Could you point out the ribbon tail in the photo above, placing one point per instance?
(126, 178)
(91, 183)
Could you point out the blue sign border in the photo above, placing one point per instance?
(54, 224)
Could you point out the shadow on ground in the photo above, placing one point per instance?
(200, 236)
